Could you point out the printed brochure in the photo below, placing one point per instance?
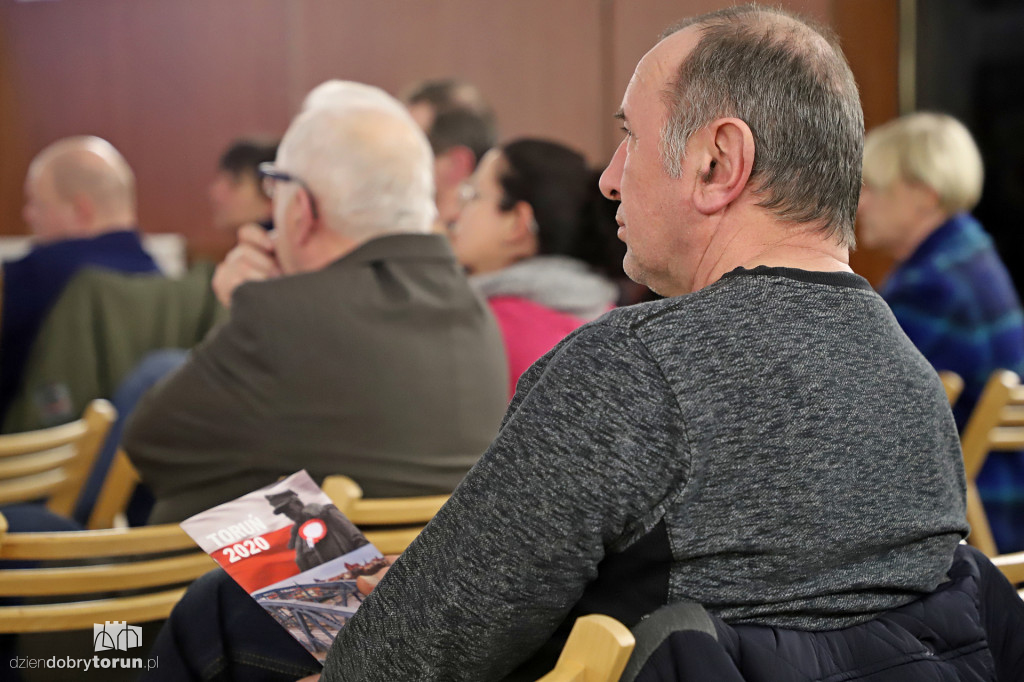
(298, 556)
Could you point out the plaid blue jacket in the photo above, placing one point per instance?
(955, 300)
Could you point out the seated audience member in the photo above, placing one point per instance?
(528, 235)
(766, 442)
(461, 127)
(369, 355)
(950, 291)
(236, 193)
(80, 207)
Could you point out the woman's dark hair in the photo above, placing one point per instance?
(573, 217)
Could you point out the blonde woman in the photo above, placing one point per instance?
(949, 291)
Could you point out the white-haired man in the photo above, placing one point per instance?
(362, 351)
(80, 207)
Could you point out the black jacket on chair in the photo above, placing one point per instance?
(970, 628)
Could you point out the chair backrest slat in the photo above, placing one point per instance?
(387, 511)
(14, 444)
(83, 544)
(82, 615)
(32, 487)
(33, 582)
(995, 424)
(53, 463)
(1006, 438)
(159, 560)
(953, 384)
(1012, 566)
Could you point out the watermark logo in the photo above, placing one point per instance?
(117, 635)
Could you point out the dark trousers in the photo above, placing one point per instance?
(217, 632)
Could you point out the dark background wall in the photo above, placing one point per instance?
(971, 65)
(172, 82)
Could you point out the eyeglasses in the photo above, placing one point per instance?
(271, 175)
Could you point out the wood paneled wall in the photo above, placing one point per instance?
(171, 83)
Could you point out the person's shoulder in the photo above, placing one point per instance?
(637, 316)
(283, 291)
(617, 336)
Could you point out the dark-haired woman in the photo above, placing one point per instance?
(536, 236)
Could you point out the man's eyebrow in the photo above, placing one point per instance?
(619, 115)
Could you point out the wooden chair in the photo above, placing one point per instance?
(953, 384)
(115, 493)
(1012, 566)
(155, 563)
(53, 463)
(390, 523)
(997, 423)
(597, 651)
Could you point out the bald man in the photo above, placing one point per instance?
(355, 345)
(80, 207)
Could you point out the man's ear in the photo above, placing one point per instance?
(306, 225)
(455, 165)
(84, 209)
(725, 152)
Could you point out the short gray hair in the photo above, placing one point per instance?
(791, 84)
(367, 163)
(934, 150)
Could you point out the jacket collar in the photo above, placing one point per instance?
(399, 246)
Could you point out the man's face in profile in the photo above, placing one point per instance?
(47, 215)
(654, 213)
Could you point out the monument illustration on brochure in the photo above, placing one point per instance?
(296, 554)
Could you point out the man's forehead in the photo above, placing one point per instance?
(657, 68)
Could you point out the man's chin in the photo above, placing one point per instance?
(633, 269)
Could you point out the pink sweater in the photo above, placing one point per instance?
(530, 330)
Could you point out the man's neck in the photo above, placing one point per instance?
(328, 248)
(770, 243)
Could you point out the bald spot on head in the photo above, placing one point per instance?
(89, 168)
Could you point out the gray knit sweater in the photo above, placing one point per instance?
(772, 447)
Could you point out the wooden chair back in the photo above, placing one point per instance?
(597, 651)
(1012, 566)
(115, 493)
(390, 523)
(953, 384)
(997, 423)
(156, 563)
(53, 463)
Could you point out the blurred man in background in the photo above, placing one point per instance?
(80, 207)
(460, 126)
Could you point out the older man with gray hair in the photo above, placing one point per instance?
(766, 442)
(355, 345)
